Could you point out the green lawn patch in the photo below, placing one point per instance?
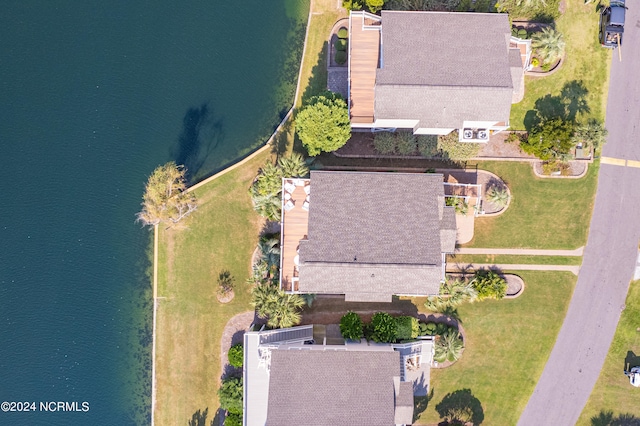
(585, 61)
(514, 259)
(507, 345)
(543, 214)
(612, 392)
(221, 234)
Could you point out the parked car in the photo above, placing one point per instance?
(612, 24)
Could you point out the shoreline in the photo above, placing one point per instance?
(231, 167)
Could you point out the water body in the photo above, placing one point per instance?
(93, 96)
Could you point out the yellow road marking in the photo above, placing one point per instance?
(633, 163)
(614, 161)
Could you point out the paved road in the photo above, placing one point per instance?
(609, 257)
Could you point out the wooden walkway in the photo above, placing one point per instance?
(364, 53)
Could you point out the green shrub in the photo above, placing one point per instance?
(427, 145)
(236, 355)
(343, 33)
(489, 285)
(546, 67)
(233, 419)
(522, 33)
(230, 395)
(405, 143)
(384, 143)
(384, 328)
(340, 44)
(440, 329)
(452, 149)
(407, 328)
(430, 328)
(448, 346)
(351, 326)
(514, 31)
(341, 57)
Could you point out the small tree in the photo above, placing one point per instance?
(407, 328)
(591, 134)
(549, 43)
(448, 346)
(489, 285)
(226, 282)
(323, 124)
(236, 355)
(233, 419)
(351, 326)
(230, 395)
(406, 143)
(165, 198)
(498, 196)
(384, 327)
(549, 140)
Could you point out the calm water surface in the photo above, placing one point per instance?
(93, 96)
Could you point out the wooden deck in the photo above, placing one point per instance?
(364, 53)
(294, 228)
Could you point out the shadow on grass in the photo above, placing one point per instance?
(631, 360)
(199, 418)
(460, 407)
(420, 404)
(606, 418)
(571, 102)
(318, 81)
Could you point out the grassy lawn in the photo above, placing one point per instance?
(612, 392)
(507, 345)
(585, 61)
(221, 235)
(515, 259)
(544, 213)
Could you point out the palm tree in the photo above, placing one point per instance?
(498, 196)
(549, 43)
(448, 346)
(268, 181)
(294, 166)
(281, 309)
(452, 293)
(268, 206)
(270, 251)
(590, 134)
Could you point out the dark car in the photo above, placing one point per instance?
(612, 24)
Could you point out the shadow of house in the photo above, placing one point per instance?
(631, 360)
(201, 134)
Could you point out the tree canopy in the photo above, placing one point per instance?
(550, 139)
(282, 309)
(323, 124)
(165, 198)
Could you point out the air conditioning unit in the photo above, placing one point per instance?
(467, 133)
(483, 134)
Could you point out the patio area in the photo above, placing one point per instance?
(295, 218)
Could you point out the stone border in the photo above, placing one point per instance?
(516, 280)
(540, 175)
(344, 22)
(554, 70)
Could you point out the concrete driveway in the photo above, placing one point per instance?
(609, 257)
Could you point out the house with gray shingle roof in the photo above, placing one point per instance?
(434, 72)
(368, 236)
(293, 376)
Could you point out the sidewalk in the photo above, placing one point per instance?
(458, 267)
(520, 252)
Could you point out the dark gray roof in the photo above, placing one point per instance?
(445, 49)
(459, 62)
(373, 233)
(319, 388)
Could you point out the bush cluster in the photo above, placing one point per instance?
(403, 143)
(385, 328)
(230, 395)
(236, 355)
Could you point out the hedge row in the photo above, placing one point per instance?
(384, 328)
